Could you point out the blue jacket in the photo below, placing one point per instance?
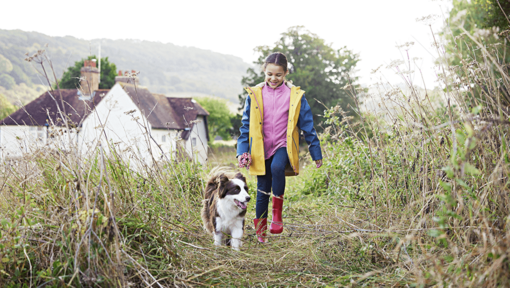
(304, 123)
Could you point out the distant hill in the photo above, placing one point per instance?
(164, 68)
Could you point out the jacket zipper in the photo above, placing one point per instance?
(274, 111)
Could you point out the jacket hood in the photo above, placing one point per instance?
(288, 83)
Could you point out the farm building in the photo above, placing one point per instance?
(127, 116)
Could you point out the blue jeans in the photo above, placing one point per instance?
(275, 178)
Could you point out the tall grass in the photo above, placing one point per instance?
(414, 195)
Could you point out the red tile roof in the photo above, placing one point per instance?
(52, 106)
(155, 108)
(188, 110)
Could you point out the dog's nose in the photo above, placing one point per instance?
(248, 198)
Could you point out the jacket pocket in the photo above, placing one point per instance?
(251, 142)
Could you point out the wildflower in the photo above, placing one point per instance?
(347, 87)
(375, 70)
(406, 45)
(428, 20)
(504, 33)
(395, 63)
(245, 161)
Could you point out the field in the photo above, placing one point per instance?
(412, 196)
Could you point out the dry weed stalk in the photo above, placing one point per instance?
(413, 193)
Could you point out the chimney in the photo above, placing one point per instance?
(89, 77)
(127, 77)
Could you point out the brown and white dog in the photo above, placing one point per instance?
(225, 202)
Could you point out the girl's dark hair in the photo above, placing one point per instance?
(277, 58)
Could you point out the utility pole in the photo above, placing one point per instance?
(99, 64)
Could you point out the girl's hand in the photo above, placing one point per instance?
(244, 160)
(318, 163)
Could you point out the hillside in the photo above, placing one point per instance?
(164, 67)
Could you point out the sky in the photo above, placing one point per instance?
(370, 28)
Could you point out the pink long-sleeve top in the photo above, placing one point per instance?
(276, 115)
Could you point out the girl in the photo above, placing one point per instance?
(274, 111)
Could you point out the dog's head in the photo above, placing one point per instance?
(234, 189)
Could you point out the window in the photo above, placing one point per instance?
(40, 134)
(163, 138)
(37, 134)
(33, 133)
(193, 142)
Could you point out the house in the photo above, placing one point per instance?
(128, 117)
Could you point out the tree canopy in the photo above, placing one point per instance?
(71, 77)
(7, 81)
(474, 28)
(483, 19)
(6, 108)
(318, 69)
(219, 117)
(489, 13)
(5, 65)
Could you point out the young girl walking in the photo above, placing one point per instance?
(275, 111)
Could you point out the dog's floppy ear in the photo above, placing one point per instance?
(222, 181)
(241, 177)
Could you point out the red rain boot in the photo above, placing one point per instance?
(261, 227)
(277, 223)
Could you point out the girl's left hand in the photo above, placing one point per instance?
(318, 163)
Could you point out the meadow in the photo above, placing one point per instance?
(415, 195)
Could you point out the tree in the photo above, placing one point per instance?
(71, 77)
(235, 122)
(19, 76)
(483, 20)
(6, 108)
(7, 81)
(318, 69)
(219, 116)
(480, 18)
(491, 13)
(5, 65)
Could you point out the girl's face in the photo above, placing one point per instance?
(274, 75)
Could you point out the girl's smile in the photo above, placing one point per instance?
(275, 75)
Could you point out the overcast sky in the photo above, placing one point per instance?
(371, 28)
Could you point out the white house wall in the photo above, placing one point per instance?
(18, 140)
(126, 131)
(199, 150)
(166, 139)
(120, 127)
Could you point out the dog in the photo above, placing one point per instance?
(225, 203)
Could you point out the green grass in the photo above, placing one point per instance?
(417, 196)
